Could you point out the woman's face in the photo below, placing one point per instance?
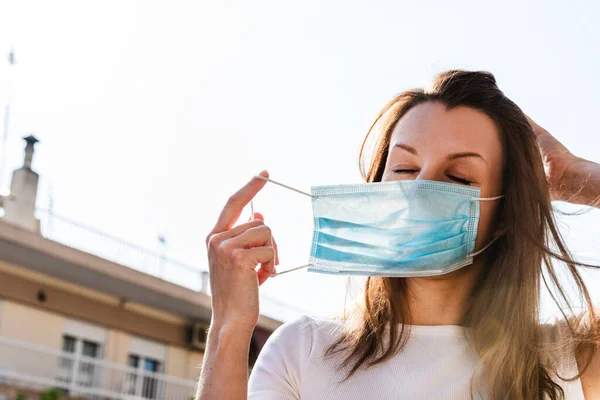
(461, 146)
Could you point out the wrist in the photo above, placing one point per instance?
(229, 333)
(581, 183)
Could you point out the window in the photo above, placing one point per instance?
(87, 368)
(147, 387)
(134, 361)
(71, 364)
(90, 349)
(65, 364)
(69, 344)
(151, 365)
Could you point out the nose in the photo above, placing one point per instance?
(430, 174)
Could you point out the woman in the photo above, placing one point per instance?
(473, 332)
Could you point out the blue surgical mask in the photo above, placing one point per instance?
(395, 229)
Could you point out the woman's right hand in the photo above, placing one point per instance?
(233, 254)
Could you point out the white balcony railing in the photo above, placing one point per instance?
(37, 367)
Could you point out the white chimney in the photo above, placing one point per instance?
(19, 204)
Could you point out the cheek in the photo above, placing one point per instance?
(488, 223)
(389, 176)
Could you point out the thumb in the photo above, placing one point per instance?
(258, 215)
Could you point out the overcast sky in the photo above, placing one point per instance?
(151, 113)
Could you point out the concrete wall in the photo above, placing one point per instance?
(194, 364)
(183, 362)
(31, 325)
(117, 347)
(176, 361)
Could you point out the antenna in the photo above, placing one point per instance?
(49, 223)
(11, 62)
(162, 239)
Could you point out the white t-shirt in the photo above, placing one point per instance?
(436, 363)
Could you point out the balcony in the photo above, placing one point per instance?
(29, 366)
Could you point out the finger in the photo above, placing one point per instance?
(253, 237)
(259, 216)
(266, 269)
(256, 255)
(264, 256)
(236, 231)
(276, 250)
(538, 130)
(236, 203)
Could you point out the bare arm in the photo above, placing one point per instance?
(224, 372)
(233, 254)
(584, 178)
(570, 178)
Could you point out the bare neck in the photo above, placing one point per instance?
(441, 300)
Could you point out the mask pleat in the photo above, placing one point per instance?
(359, 261)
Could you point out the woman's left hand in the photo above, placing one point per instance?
(557, 159)
(570, 178)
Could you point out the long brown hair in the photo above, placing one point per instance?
(503, 314)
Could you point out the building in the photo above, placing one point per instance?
(91, 326)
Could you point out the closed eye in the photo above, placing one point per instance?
(462, 181)
(405, 171)
(454, 178)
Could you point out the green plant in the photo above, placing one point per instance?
(21, 396)
(51, 394)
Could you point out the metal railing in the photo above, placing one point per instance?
(36, 367)
(86, 238)
(74, 234)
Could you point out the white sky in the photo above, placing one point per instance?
(150, 114)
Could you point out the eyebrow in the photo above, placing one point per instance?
(453, 156)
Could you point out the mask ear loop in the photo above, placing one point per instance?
(484, 247)
(295, 190)
(487, 198)
(495, 238)
(290, 270)
(285, 186)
